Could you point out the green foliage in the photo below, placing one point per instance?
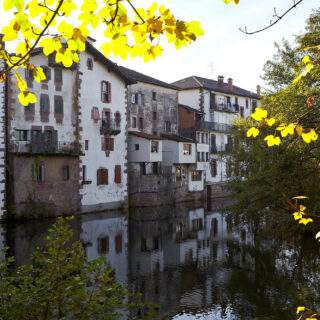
(60, 283)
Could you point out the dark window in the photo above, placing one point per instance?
(136, 146)
(155, 167)
(178, 174)
(134, 122)
(117, 174)
(187, 149)
(117, 118)
(44, 103)
(84, 173)
(103, 245)
(213, 168)
(168, 126)
(30, 107)
(38, 172)
(58, 74)
(214, 227)
(212, 100)
(102, 177)
(65, 173)
(118, 243)
(48, 137)
(86, 144)
(106, 91)
(242, 112)
(196, 175)
(236, 100)
(199, 156)
(154, 115)
(247, 103)
(154, 146)
(140, 123)
(213, 144)
(154, 96)
(58, 104)
(90, 64)
(21, 135)
(47, 72)
(143, 169)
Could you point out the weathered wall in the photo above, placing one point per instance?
(53, 195)
(186, 119)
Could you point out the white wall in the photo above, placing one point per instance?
(173, 153)
(144, 153)
(184, 158)
(190, 98)
(95, 158)
(195, 185)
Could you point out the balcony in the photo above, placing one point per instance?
(223, 148)
(62, 147)
(110, 127)
(225, 106)
(215, 126)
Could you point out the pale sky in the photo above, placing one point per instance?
(228, 51)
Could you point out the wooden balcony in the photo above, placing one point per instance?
(110, 127)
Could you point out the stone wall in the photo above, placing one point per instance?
(53, 196)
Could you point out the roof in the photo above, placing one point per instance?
(195, 82)
(100, 57)
(175, 137)
(189, 108)
(140, 77)
(145, 135)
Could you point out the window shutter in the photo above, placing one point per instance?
(104, 144)
(104, 176)
(111, 144)
(101, 89)
(98, 177)
(109, 92)
(117, 174)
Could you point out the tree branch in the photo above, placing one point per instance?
(276, 16)
(27, 54)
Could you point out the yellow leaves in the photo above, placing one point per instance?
(259, 114)
(66, 30)
(253, 132)
(310, 136)
(272, 140)
(286, 129)
(26, 98)
(305, 221)
(10, 4)
(38, 74)
(300, 309)
(22, 85)
(270, 122)
(301, 214)
(231, 1)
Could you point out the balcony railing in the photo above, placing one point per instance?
(61, 147)
(111, 127)
(221, 148)
(215, 126)
(225, 106)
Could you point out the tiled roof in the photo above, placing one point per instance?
(189, 108)
(145, 135)
(175, 137)
(137, 76)
(195, 82)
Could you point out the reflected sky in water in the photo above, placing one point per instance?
(191, 262)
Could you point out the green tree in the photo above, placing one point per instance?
(60, 283)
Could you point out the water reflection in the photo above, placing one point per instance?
(192, 263)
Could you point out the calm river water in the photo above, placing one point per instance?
(191, 262)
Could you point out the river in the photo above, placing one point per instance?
(191, 262)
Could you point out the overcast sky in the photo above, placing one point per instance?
(224, 49)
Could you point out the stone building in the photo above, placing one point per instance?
(218, 104)
(67, 152)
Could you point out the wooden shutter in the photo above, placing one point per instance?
(109, 92)
(109, 144)
(117, 174)
(104, 176)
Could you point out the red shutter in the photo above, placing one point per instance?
(103, 144)
(109, 91)
(105, 176)
(98, 177)
(117, 174)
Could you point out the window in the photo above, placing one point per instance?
(247, 103)
(196, 175)
(154, 146)
(213, 167)
(103, 245)
(212, 100)
(44, 103)
(155, 168)
(38, 172)
(202, 138)
(58, 75)
(242, 112)
(134, 122)
(199, 156)
(47, 72)
(214, 227)
(89, 64)
(213, 144)
(118, 243)
(254, 105)
(58, 104)
(107, 144)
(197, 224)
(178, 174)
(117, 118)
(187, 149)
(102, 177)
(95, 114)
(106, 91)
(86, 145)
(84, 173)
(154, 115)
(30, 108)
(207, 156)
(21, 135)
(154, 96)
(65, 173)
(134, 98)
(48, 137)
(198, 137)
(143, 169)
(136, 147)
(236, 100)
(168, 126)
(117, 174)
(29, 77)
(140, 123)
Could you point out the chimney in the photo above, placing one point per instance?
(230, 84)
(258, 90)
(220, 80)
